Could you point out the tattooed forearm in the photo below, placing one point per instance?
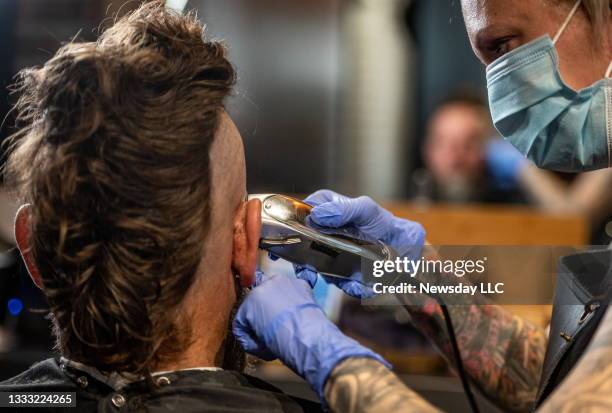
(588, 386)
(365, 385)
(502, 353)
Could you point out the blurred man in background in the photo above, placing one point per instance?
(454, 154)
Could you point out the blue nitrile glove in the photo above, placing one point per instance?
(351, 286)
(279, 318)
(505, 163)
(335, 210)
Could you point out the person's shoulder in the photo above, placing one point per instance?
(39, 374)
(306, 405)
(218, 391)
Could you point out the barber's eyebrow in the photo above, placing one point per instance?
(488, 39)
(485, 36)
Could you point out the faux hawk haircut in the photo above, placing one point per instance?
(113, 158)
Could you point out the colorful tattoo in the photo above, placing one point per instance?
(502, 354)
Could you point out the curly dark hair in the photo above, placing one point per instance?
(113, 157)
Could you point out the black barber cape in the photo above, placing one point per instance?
(181, 391)
(582, 296)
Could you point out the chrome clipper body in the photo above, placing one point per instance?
(336, 252)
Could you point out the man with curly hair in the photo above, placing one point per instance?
(134, 221)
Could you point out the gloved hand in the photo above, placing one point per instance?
(279, 318)
(335, 210)
(505, 163)
(351, 286)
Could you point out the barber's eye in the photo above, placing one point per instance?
(501, 48)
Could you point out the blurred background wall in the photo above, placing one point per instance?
(331, 93)
(336, 93)
(286, 54)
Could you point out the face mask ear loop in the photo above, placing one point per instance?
(609, 71)
(566, 22)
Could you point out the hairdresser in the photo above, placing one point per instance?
(548, 67)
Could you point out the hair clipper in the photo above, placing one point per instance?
(337, 252)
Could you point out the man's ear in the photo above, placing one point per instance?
(247, 230)
(22, 236)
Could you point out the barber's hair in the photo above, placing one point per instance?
(113, 157)
(598, 12)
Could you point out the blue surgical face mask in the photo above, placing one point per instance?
(548, 122)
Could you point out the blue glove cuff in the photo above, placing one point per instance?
(318, 348)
